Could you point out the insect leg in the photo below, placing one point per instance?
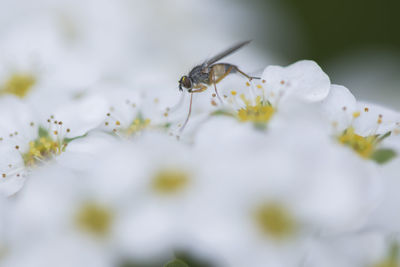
(199, 89)
(244, 74)
(212, 76)
(188, 116)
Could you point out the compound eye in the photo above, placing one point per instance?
(186, 82)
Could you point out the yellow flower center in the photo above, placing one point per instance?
(18, 84)
(170, 181)
(259, 113)
(95, 219)
(43, 148)
(364, 146)
(274, 221)
(137, 125)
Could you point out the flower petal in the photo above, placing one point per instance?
(303, 79)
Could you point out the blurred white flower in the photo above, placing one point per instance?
(384, 218)
(354, 249)
(3, 241)
(167, 179)
(58, 214)
(272, 191)
(134, 205)
(37, 66)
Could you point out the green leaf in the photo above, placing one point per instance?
(261, 126)
(383, 155)
(394, 252)
(139, 117)
(166, 125)
(67, 140)
(266, 103)
(42, 132)
(176, 263)
(221, 112)
(192, 260)
(381, 137)
(139, 264)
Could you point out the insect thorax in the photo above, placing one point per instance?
(199, 74)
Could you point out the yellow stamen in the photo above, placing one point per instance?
(364, 146)
(259, 112)
(42, 149)
(137, 125)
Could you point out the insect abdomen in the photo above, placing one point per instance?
(222, 69)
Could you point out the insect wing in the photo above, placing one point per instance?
(224, 54)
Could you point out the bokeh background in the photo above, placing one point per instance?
(356, 42)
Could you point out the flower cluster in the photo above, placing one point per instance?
(288, 170)
(98, 167)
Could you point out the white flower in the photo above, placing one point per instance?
(294, 115)
(359, 125)
(27, 141)
(129, 112)
(279, 88)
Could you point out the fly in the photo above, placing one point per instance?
(210, 73)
